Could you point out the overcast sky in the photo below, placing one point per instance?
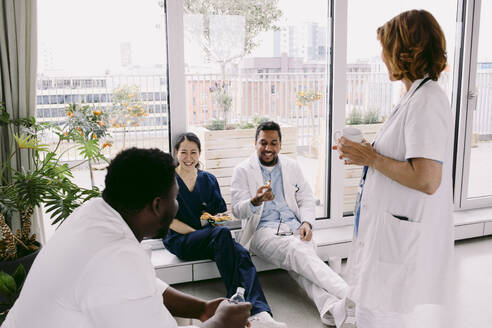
(86, 36)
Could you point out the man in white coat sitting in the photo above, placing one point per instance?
(269, 191)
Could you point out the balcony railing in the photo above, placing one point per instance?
(272, 95)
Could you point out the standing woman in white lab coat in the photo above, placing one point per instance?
(403, 234)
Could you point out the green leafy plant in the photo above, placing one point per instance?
(214, 125)
(85, 128)
(257, 120)
(47, 180)
(221, 98)
(372, 116)
(10, 287)
(127, 110)
(354, 117)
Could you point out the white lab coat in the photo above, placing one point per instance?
(247, 179)
(395, 265)
(92, 273)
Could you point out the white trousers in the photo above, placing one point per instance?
(377, 319)
(299, 258)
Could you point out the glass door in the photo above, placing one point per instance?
(476, 120)
(369, 94)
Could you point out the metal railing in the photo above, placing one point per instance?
(55, 93)
(272, 95)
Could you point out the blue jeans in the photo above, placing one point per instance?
(233, 261)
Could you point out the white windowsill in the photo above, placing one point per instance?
(332, 241)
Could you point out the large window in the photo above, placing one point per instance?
(475, 187)
(480, 176)
(370, 95)
(313, 66)
(266, 60)
(111, 56)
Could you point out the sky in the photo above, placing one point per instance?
(84, 37)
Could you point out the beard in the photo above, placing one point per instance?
(271, 163)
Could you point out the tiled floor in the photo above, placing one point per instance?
(291, 305)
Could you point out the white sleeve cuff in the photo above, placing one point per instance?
(161, 285)
(253, 209)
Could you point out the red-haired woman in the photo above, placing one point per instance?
(403, 235)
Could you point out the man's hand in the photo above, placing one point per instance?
(263, 194)
(210, 308)
(306, 232)
(230, 315)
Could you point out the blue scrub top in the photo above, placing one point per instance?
(205, 197)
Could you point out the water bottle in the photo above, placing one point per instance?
(238, 297)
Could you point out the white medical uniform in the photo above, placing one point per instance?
(92, 273)
(321, 283)
(395, 264)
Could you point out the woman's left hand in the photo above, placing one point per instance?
(356, 153)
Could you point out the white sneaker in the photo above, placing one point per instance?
(350, 321)
(265, 320)
(341, 314)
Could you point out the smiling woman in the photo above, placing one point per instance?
(192, 238)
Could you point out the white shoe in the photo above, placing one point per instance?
(341, 314)
(265, 320)
(350, 321)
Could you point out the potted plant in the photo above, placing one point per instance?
(46, 181)
(127, 110)
(221, 98)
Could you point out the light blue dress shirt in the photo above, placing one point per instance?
(276, 209)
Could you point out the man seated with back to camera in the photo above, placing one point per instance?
(270, 192)
(103, 277)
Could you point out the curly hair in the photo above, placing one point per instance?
(136, 176)
(413, 45)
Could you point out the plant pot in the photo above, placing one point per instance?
(9, 267)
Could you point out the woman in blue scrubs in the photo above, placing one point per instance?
(199, 192)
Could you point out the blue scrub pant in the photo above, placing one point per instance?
(233, 261)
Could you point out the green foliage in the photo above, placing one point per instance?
(62, 204)
(10, 287)
(127, 107)
(354, 117)
(260, 16)
(257, 120)
(304, 98)
(221, 97)
(216, 125)
(29, 142)
(372, 116)
(86, 122)
(246, 125)
(47, 180)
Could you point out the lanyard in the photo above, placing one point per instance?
(365, 169)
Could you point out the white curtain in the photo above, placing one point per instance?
(18, 62)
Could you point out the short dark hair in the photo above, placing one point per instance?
(190, 136)
(414, 45)
(268, 126)
(136, 176)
